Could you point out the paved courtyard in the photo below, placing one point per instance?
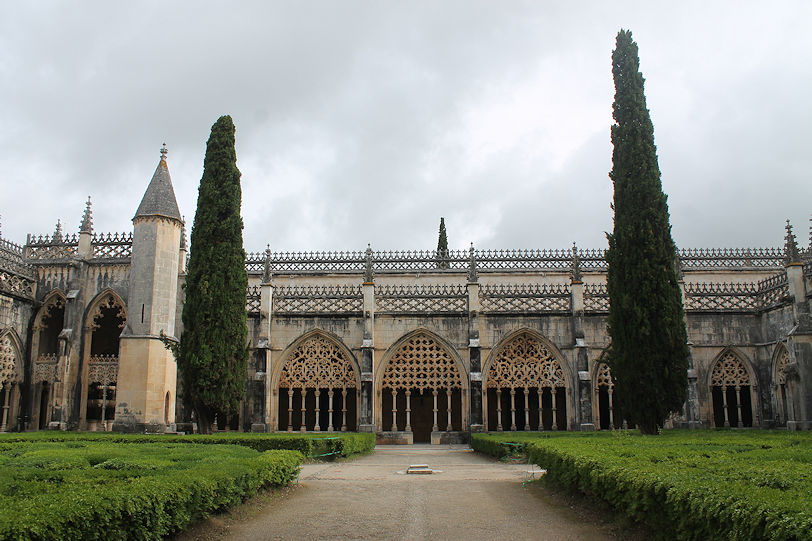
(471, 497)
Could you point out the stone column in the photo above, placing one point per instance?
(474, 354)
(799, 372)
(367, 406)
(584, 384)
(271, 408)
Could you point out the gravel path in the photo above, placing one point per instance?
(471, 497)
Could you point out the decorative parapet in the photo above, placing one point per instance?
(45, 368)
(724, 297)
(525, 298)
(424, 298)
(16, 276)
(318, 300)
(596, 299)
(774, 291)
(43, 248)
(112, 245)
(494, 261)
(103, 369)
(252, 301)
(732, 258)
(739, 297)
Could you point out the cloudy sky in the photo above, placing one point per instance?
(364, 122)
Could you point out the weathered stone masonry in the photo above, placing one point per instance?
(415, 346)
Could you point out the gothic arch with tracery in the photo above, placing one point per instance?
(525, 365)
(782, 386)
(10, 377)
(422, 388)
(106, 317)
(606, 409)
(732, 391)
(318, 387)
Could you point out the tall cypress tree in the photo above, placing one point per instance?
(212, 353)
(648, 355)
(442, 247)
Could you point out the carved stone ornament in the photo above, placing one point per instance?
(421, 363)
(729, 371)
(318, 363)
(525, 362)
(9, 361)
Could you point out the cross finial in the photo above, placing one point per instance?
(163, 152)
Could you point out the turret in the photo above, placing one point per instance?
(147, 370)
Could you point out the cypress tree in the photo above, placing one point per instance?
(442, 247)
(648, 355)
(212, 353)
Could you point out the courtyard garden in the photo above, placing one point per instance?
(685, 484)
(58, 485)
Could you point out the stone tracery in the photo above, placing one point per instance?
(730, 388)
(421, 363)
(316, 364)
(526, 365)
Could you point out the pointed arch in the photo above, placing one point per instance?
(783, 388)
(422, 387)
(55, 299)
(107, 299)
(604, 401)
(527, 364)
(11, 372)
(732, 384)
(317, 384)
(105, 317)
(11, 361)
(421, 359)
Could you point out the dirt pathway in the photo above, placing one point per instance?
(473, 497)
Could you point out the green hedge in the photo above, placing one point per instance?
(322, 446)
(685, 484)
(109, 490)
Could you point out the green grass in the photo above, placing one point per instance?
(79, 489)
(320, 446)
(684, 484)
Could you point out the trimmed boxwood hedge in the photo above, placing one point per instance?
(111, 490)
(684, 484)
(322, 446)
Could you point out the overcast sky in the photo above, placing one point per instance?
(364, 122)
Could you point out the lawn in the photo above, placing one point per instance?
(728, 484)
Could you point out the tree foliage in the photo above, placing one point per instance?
(648, 355)
(442, 247)
(213, 351)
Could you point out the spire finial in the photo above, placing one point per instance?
(575, 269)
(163, 152)
(473, 276)
(791, 252)
(87, 219)
(57, 237)
(369, 274)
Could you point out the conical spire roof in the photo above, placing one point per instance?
(159, 199)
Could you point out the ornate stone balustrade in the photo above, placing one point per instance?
(724, 297)
(596, 299)
(15, 284)
(525, 298)
(103, 369)
(318, 300)
(45, 368)
(252, 300)
(455, 261)
(773, 291)
(425, 298)
(43, 247)
(112, 245)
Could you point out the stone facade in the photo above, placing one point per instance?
(415, 346)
